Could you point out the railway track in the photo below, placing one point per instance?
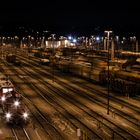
(55, 103)
(71, 89)
(61, 91)
(113, 99)
(117, 110)
(50, 130)
(71, 99)
(20, 133)
(85, 126)
(39, 90)
(115, 104)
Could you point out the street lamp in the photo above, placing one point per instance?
(69, 37)
(98, 41)
(97, 38)
(108, 34)
(74, 40)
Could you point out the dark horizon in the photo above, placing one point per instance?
(76, 17)
(13, 29)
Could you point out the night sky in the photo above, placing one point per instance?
(73, 16)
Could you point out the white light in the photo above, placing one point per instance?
(66, 42)
(46, 43)
(16, 103)
(5, 90)
(124, 38)
(74, 40)
(25, 115)
(117, 37)
(8, 115)
(59, 43)
(108, 31)
(97, 38)
(69, 37)
(3, 98)
(71, 44)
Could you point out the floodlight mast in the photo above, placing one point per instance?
(108, 96)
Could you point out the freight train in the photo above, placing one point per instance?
(44, 61)
(11, 58)
(14, 110)
(119, 80)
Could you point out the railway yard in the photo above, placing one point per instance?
(64, 106)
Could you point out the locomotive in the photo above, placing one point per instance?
(14, 110)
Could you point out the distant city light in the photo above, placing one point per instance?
(117, 38)
(45, 31)
(124, 38)
(74, 40)
(46, 43)
(66, 42)
(69, 37)
(97, 38)
(59, 43)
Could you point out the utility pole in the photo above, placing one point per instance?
(105, 44)
(112, 50)
(53, 55)
(137, 46)
(2, 47)
(108, 97)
